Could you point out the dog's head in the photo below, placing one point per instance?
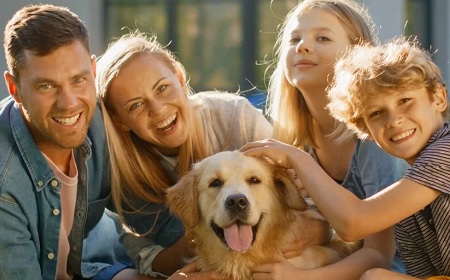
(234, 195)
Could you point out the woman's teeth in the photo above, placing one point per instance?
(165, 124)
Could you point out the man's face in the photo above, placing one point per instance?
(56, 94)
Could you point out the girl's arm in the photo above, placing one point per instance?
(378, 251)
(351, 217)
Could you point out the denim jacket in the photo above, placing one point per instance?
(30, 206)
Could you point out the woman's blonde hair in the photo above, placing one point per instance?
(136, 167)
(368, 71)
(287, 109)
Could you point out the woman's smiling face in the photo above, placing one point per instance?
(150, 99)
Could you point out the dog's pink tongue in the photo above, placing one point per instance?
(239, 238)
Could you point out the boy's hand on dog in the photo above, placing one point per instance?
(190, 272)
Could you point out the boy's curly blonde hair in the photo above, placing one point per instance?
(365, 72)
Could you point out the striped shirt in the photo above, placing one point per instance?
(423, 239)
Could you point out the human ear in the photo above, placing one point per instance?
(94, 65)
(11, 86)
(440, 99)
(182, 80)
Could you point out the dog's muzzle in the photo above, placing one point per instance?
(239, 235)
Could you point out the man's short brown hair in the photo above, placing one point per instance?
(41, 29)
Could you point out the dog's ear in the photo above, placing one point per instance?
(182, 198)
(292, 195)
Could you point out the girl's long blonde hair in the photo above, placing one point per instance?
(287, 108)
(136, 167)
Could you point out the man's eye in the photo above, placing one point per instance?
(162, 88)
(79, 80)
(45, 86)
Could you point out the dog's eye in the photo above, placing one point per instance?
(254, 180)
(216, 183)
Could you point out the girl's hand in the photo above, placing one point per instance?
(276, 151)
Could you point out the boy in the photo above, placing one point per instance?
(393, 94)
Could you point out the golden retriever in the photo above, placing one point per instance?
(243, 211)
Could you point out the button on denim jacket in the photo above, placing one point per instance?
(30, 205)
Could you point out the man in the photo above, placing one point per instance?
(54, 169)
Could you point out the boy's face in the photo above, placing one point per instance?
(401, 123)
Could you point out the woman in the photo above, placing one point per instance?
(157, 128)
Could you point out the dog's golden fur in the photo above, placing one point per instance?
(256, 210)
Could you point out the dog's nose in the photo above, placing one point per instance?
(236, 202)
